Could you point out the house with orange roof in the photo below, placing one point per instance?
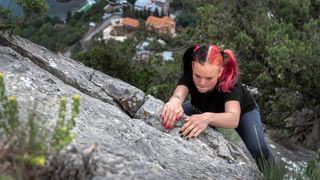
(120, 29)
(163, 25)
(130, 23)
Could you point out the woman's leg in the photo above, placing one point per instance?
(251, 132)
(189, 109)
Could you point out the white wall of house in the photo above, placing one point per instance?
(117, 22)
(106, 32)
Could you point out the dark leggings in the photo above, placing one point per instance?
(251, 132)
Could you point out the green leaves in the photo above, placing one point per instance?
(33, 6)
(313, 167)
(26, 145)
(13, 24)
(62, 133)
(293, 11)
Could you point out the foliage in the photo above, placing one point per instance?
(30, 7)
(33, 6)
(276, 55)
(313, 169)
(50, 32)
(7, 21)
(25, 144)
(56, 35)
(117, 59)
(176, 4)
(162, 91)
(185, 19)
(294, 11)
(276, 43)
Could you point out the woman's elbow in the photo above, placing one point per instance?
(235, 122)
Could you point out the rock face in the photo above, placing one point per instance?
(120, 118)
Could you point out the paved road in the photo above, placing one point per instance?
(98, 28)
(91, 32)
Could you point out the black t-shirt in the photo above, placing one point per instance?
(214, 100)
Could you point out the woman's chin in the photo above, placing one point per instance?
(203, 90)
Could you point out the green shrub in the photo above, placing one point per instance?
(313, 168)
(25, 146)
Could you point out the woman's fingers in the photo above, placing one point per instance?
(166, 117)
(192, 133)
(169, 116)
(168, 120)
(187, 124)
(180, 114)
(163, 114)
(187, 129)
(192, 128)
(171, 121)
(197, 133)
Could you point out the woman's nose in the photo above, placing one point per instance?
(202, 82)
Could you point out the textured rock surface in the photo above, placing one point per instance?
(124, 123)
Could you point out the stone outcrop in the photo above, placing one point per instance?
(303, 129)
(119, 118)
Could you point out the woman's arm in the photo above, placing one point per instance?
(198, 123)
(181, 93)
(173, 110)
(229, 119)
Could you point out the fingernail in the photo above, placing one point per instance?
(188, 138)
(180, 132)
(193, 137)
(181, 136)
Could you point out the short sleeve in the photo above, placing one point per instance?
(233, 95)
(186, 81)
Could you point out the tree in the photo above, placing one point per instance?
(294, 11)
(30, 7)
(176, 4)
(33, 6)
(7, 21)
(275, 48)
(186, 19)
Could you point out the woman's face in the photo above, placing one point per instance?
(205, 76)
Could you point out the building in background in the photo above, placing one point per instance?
(163, 25)
(162, 6)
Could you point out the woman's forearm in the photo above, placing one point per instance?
(223, 120)
(180, 93)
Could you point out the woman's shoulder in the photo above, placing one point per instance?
(237, 88)
(242, 88)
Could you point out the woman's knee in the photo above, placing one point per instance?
(259, 151)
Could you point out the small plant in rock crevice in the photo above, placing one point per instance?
(25, 145)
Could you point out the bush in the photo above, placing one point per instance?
(25, 146)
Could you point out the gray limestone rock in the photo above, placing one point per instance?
(125, 125)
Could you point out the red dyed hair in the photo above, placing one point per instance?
(230, 71)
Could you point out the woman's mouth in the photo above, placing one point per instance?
(202, 89)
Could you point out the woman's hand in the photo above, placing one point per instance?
(172, 111)
(195, 125)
